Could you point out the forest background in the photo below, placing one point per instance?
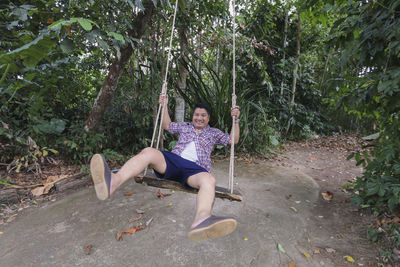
(81, 77)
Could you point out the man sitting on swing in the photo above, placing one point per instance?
(189, 163)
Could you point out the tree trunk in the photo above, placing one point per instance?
(183, 73)
(296, 66)
(109, 87)
(295, 70)
(285, 42)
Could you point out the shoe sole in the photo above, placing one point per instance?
(99, 180)
(218, 229)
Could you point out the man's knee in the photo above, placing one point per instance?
(148, 151)
(208, 180)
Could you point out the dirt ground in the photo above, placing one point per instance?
(322, 158)
(325, 160)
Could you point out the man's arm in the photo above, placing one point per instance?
(166, 118)
(235, 112)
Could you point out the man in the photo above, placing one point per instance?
(189, 162)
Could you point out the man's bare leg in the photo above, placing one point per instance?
(205, 182)
(132, 168)
(206, 226)
(137, 164)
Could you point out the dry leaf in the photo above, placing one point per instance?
(378, 223)
(1, 233)
(394, 220)
(88, 247)
(330, 250)
(38, 191)
(11, 218)
(288, 196)
(130, 231)
(327, 195)
(306, 255)
(50, 182)
(68, 28)
(127, 194)
(136, 218)
(313, 158)
(161, 195)
(119, 236)
(349, 259)
(294, 209)
(292, 264)
(317, 251)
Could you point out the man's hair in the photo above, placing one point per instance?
(205, 106)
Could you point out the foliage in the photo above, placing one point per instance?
(22, 153)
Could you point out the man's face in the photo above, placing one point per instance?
(200, 118)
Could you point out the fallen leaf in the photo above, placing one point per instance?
(378, 223)
(288, 196)
(313, 158)
(38, 191)
(130, 231)
(11, 218)
(281, 249)
(50, 181)
(88, 247)
(1, 233)
(330, 250)
(292, 264)
(294, 209)
(327, 195)
(127, 194)
(308, 240)
(161, 195)
(245, 239)
(170, 205)
(306, 255)
(394, 220)
(317, 251)
(136, 218)
(119, 236)
(349, 259)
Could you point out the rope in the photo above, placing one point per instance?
(232, 159)
(161, 108)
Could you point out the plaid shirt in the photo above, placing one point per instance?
(204, 141)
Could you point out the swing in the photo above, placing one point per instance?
(151, 179)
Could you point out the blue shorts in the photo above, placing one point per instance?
(178, 168)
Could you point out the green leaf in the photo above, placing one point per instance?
(281, 249)
(58, 24)
(85, 23)
(273, 140)
(67, 46)
(371, 137)
(116, 36)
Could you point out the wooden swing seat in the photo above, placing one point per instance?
(152, 180)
